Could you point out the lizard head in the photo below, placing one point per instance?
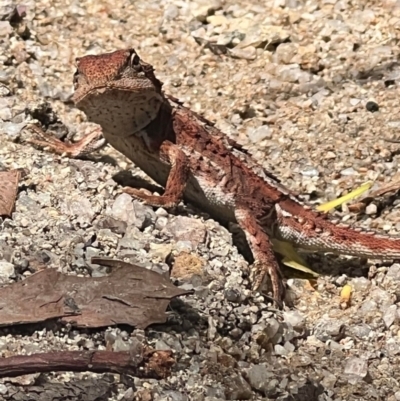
(117, 90)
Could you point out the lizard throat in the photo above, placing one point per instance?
(121, 113)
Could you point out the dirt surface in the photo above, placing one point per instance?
(311, 89)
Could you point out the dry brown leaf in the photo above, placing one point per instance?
(130, 295)
(8, 191)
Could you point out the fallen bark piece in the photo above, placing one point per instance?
(130, 295)
(148, 364)
(390, 188)
(8, 190)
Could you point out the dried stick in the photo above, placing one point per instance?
(149, 364)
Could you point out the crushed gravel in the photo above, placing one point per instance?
(311, 89)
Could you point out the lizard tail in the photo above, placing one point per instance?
(314, 231)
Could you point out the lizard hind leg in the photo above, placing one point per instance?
(265, 263)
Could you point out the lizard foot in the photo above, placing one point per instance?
(176, 180)
(151, 200)
(260, 270)
(88, 144)
(266, 264)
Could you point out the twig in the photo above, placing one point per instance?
(150, 364)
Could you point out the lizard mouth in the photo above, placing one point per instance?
(141, 92)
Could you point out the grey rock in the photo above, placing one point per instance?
(91, 252)
(310, 171)
(295, 318)
(171, 12)
(392, 346)
(360, 283)
(5, 77)
(341, 280)
(7, 270)
(248, 53)
(368, 307)
(202, 9)
(127, 244)
(272, 327)
(292, 73)
(293, 3)
(383, 298)
(5, 28)
(115, 225)
(79, 207)
(172, 342)
(29, 204)
(120, 345)
(390, 315)
(214, 392)
(99, 271)
(348, 172)
(145, 216)
(232, 295)
(212, 328)
(237, 387)
(5, 113)
(12, 130)
(279, 350)
(259, 134)
(162, 346)
(326, 328)
(185, 228)
(6, 252)
(175, 396)
(259, 377)
(3, 389)
(185, 246)
(394, 272)
(122, 209)
(285, 52)
(355, 369)
(132, 212)
(361, 330)
(161, 223)
(7, 8)
(371, 209)
(289, 347)
(106, 237)
(160, 251)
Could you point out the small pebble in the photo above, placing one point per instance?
(372, 106)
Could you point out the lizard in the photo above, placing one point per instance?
(194, 161)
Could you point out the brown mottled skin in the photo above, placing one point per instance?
(193, 160)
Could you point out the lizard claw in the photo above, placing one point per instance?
(259, 272)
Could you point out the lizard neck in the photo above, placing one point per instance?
(160, 128)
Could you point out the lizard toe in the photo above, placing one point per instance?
(260, 271)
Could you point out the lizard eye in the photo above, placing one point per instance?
(135, 62)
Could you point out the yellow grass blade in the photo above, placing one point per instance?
(325, 207)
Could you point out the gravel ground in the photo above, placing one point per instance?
(311, 88)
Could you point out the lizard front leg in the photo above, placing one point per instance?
(86, 145)
(265, 262)
(176, 182)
